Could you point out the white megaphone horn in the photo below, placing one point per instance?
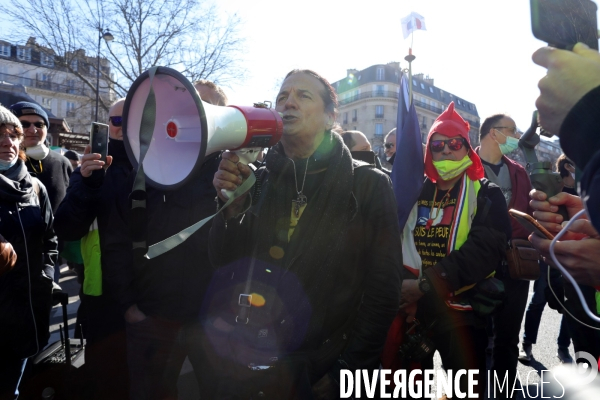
(184, 129)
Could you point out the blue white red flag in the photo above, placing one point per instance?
(412, 22)
(408, 170)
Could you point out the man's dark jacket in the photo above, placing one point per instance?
(171, 285)
(91, 198)
(368, 271)
(56, 170)
(580, 142)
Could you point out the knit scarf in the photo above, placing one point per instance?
(15, 184)
(314, 249)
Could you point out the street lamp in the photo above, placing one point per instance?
(108, 37)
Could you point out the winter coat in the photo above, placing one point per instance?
(26, 291)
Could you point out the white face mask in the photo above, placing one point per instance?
(38, 152)
(572, 175)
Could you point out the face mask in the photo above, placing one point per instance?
(4, 165)
(449, 169)
(38, 152)
(509, 146)
(572, 175)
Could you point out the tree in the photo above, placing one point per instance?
(187, 35)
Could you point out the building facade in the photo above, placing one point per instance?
(369, 103)
(55, 87)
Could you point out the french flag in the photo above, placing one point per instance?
(412, 22)
(408, 170)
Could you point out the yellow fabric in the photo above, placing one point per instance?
(90, 251)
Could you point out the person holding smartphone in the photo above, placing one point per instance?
(568, 107)
(89, 202)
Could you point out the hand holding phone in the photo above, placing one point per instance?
(99, 139)
(529, 223)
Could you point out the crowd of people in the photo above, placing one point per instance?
(303, 275)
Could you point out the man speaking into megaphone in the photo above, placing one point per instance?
(318, 238)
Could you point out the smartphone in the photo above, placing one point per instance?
(563, 23)
(99, 139)
(530, 224)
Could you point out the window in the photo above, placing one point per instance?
(379, 89)
(380, 74)
(5, 50)
(24, 53)
(47, 102)
(379, 129)
(458, 101)
(354, 115)
(345, 121)
(378, 111)
(422, 86)
(74, 65)
(430, 89)
(70, 106)
(46, 59)
(415, 83)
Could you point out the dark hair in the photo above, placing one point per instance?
(328, 95)
(71, 155)
(348, 140)
(560, 165)
(488, 123)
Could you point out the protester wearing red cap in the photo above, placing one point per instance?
(454, 240)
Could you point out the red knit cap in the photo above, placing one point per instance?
(451, 124)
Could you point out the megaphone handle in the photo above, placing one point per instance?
(247, 156)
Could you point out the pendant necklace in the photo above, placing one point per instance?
(301, 199)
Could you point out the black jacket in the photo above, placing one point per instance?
(91, 198)
(171, 285)
(368, 272)
(579, 140)
(28, 227)
(480, 255)
(54, 172)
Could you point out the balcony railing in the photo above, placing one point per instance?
(378, 115)
(47, 85)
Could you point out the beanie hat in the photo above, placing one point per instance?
(451, 124)
(71, 155)
(6, 117)
(26, 108)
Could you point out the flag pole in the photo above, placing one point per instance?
(410, 58)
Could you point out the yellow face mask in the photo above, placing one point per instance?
(449, 169)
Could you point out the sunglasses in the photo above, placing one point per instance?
(116, 121)
(453, 144)
(389, 145)
(27, 124)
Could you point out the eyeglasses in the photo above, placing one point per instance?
(38, 125)
(454, 144)
(13, 136)
(389, 145)
(512, 129)
(116, 121)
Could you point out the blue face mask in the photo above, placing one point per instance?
(4, 165)
(510, 145)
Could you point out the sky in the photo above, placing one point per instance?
(479, 50)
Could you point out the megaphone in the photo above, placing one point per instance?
(184, 129)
